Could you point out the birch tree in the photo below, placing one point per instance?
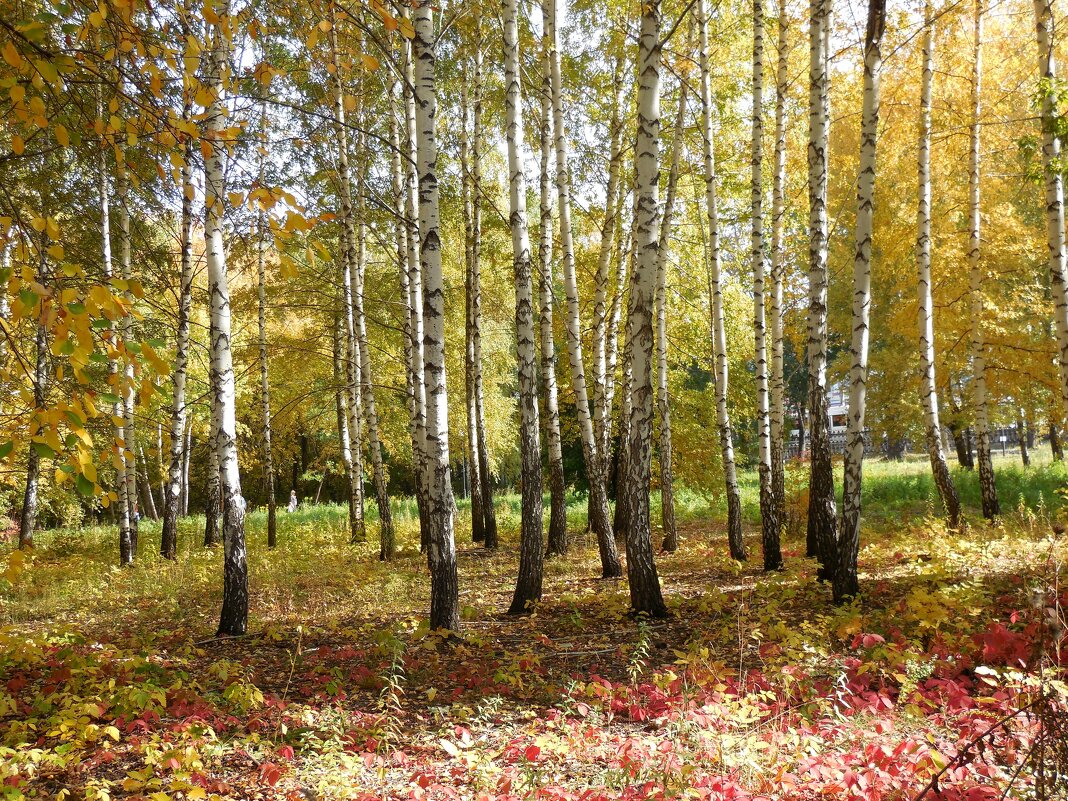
(179, 414)
(357, 529)
(769, 519)
(1054, 183)
(557, 543)
(778, 268)
(387, 540)
(413, 301)
(601, 523)
(947, 491)
(987, 488)
(667, 494)
(719, 335)
(41, 380)
(261, 330)
(29, 507)
(645, 595)
(471, 332)
(126, 388)
(233, 618)
(821, 535)
(441, 550)
(845, 574)
(528, 585)
(481, 449)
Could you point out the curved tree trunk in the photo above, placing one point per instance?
(719, 336)
(41, 373)
(1051, 160)
(821, 535)
(484, 475)
(929, 392)
(357, 527)
(531, 556)
(845, 575)
(602, 406)
(444, 592)
(387, 539)
(601, 524)
(778, 268)
(987, 488)
(557, 544)
(414, 298)
(233, 618)
(126, 327)
(769, 519)
(667, 492)
(173, 488)
(213, 490)
(265, 386)
(645, 595)
(1055, 443)
(341, 404)
(478, 515)
(126, 551)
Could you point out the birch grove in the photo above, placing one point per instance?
(245, 251)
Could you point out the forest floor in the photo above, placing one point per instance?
(949, 666)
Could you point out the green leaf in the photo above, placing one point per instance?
(110, 397)
(85, 486)
(5, 449)
(44, 451)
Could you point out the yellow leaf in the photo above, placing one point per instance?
(62, 136)
(18, 145)
(56, 252)
(17, 93)
(11, 55)
(370, 63)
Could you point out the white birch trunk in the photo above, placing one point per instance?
(769, 520)
(261, 330)
(528, 587)
(645, 595)
(822, 518)
(387, 541)
(173, 488)
(233, 619)
(601, 524)
(41, 374)
(471, 290)
(357, 529)
(1051, 156)
(415, 296)
(719, 336)
(557, 540)
(484, 475)
(126, 327)
(602, 409)
(845, 574)
(925, 319)
(441, 552)
(778, 268)
(667, 493)
(987, 488)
